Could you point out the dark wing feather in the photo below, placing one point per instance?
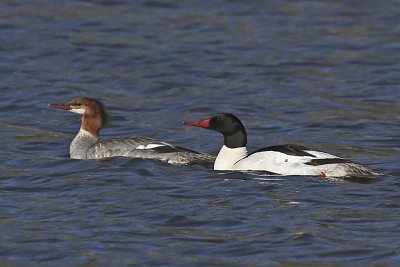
(318, 162)
(171, 149)
(290, 149)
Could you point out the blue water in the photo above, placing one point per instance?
(324, 74)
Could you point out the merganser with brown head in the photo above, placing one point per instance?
(281, 159)
(88, 145)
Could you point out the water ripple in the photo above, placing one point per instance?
(320, 74)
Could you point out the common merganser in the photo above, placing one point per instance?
(87, 145)
(282, 159)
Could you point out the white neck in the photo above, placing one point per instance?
(227, 157)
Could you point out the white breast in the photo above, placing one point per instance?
(82, 141)
(227, 157)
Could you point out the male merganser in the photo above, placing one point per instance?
(282, 159)
(87, 145)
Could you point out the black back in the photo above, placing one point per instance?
(289, 149)
(172, 149)
(317, 162)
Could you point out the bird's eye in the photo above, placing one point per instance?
(78, 104)
(214, 121)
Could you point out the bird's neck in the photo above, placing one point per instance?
(236, 140)
(92, 123)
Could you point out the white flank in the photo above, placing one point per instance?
(276, 162)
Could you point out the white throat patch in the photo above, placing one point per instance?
(78, 110)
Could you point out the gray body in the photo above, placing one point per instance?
(87, 146)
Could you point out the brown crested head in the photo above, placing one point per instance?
(94, 115)
(89, 107)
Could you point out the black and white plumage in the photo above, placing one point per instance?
(87, 144)
(282, 159)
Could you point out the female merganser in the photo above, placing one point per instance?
(87, 145)
(282, 159)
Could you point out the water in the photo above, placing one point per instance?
(324, 74)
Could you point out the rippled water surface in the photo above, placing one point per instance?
(324, 74)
